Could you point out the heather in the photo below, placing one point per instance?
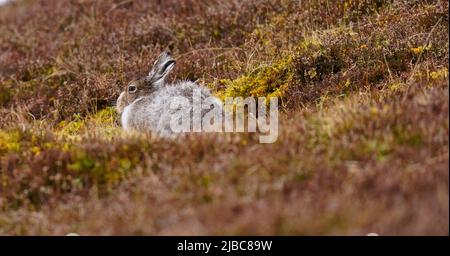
(363, 143)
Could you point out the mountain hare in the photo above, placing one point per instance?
(147, 103)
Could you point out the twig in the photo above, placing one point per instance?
(388, 68)
(115, 6)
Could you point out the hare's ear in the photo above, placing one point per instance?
(162, 66)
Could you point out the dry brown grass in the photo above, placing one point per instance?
(363, 144)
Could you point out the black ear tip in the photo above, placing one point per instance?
(168, 64)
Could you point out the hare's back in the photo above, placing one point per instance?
(183, 89)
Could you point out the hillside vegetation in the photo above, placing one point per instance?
(363, 141)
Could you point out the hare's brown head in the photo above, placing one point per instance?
(144, 86)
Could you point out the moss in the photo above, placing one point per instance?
(102, 122)
(9, 141)
(439, 74)
(396, 86)
(104, 116)
(5, 94)
(104, 167)
(71, 127)
(268, 81)
(377, 147)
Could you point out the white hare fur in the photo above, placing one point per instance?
(145, 104)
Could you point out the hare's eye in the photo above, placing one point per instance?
(132, 88)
